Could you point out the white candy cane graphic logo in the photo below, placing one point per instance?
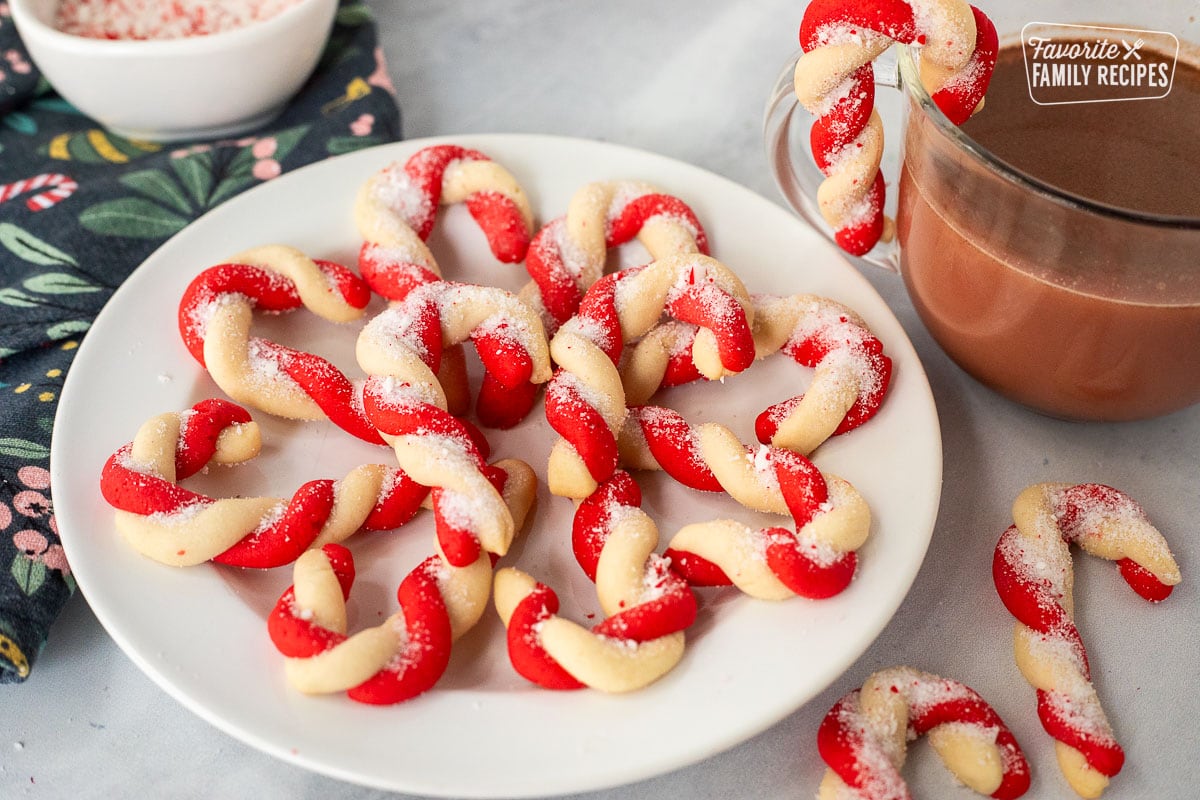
(60, 188)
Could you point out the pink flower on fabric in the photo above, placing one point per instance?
(265, 148)
(380, 76)
(30, 543)
(266, 169)
(31, 501)
(34, 477)
(363, 125)
(19, 64)
(31, 504)
(187, 151)
(56, 558)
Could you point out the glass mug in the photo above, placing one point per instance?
(1074, 308)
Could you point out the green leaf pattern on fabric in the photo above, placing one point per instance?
(66, 329)
(25, 245)
(23, 448)
(354, 15)
(195, 173)
(59, 283)
(15, 297)
(132, 217)
(234, 184)
(29, 574)
(21, 123)
(157, 185)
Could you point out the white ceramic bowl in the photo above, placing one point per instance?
(193, 88)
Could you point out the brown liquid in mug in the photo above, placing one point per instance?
(1138, 154)
(1033, 320)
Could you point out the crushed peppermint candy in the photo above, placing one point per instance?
(151, 19)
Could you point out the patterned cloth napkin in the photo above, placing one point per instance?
(80, 208)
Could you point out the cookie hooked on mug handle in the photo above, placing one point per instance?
(837, 185)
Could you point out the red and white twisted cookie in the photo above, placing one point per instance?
(585, 402)
(1033, 576)
(648, 605)
(407, 653)
(847, 388)
(835, 81)
(398, 659)
(832, 520)
(400, 350)
(215, 316)
(396, 210)
(568, 254)
(864, 738)
(175, 526)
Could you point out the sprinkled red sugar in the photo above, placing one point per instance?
(153, 19)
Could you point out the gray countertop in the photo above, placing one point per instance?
(688, 80)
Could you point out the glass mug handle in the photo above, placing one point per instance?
(786, 128)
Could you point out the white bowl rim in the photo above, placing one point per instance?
(26, 20)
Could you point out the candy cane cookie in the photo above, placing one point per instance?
(216, 314)
(556, 653)
(416, 336)
(400, 351)
(568, 254)
(648, 606)
(585, 401)
(176, 526)
(398, 659)
(834, 80)
(1034, 577)
(831, 519)
(864, 738)
(408, 652)
(851, 374)
(396, 209)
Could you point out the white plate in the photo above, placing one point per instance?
(483, 731)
